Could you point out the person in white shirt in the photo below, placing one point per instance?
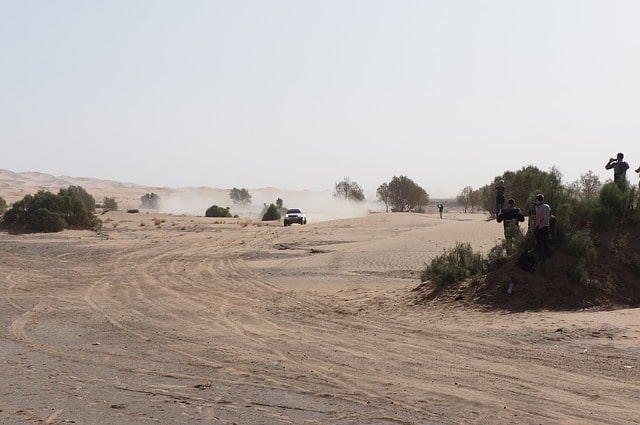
(542, 231)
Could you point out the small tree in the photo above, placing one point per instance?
(240, 196)
(281, 207)
(475, 199)
(216, 211)
(406, 195)
(3, 205)
(587, 185)
(464, 197)
(521, 185)
(150, 201)
(79, 192)
(110, 203)
(384, 195)
(272, 213)
(348, 190)
(74, 208)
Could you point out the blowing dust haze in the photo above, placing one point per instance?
(318, 206)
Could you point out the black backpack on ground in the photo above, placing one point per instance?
(526, 261)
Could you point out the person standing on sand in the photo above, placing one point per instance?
(440, 209)
(541, 232)
(620, 168)
(500, 196)
(511, 217)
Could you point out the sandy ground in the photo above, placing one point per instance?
(182, 319)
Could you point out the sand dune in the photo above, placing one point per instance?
(166, 318)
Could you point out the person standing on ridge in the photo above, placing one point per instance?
(542, 231)
(511, 217)
(500, 196)
(620, 168)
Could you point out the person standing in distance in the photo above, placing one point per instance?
(499, 196)
(620, 168)
(541, 232)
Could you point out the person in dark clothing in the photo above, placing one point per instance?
(620, 167)
(511, 217)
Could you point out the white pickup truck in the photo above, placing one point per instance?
(294, 215)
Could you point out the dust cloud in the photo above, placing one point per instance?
(317, 205)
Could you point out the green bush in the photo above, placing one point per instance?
(44, 220)
(454, 265)
(613, 200)
(216, 211)
(3, 205)
(272, 213)
(47, 212)
(580, 244)
(78, 192)
(110, 203)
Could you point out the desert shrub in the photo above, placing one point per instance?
(574, 213)
(133, 211)
(110, 203)
(613, 200)
(453, 265)
(581, 246)
(348, 190)
(75, 210)
(150, 201)
(216, 211)
(78, 193)
(601, 211)
(3, 205)
(44, 220)
(48, 212)
(495, 254)
(240, 196)
(272, 213)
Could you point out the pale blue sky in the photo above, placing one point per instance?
(299, 94)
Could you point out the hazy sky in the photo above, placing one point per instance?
(299, 94)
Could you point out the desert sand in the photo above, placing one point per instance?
(177, 318)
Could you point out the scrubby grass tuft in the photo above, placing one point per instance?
(453, 265)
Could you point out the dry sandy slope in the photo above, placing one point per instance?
(227, 321)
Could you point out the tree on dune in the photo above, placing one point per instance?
(405, 195)
(348, 190)
(240, 196)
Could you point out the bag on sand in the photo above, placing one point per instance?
(526, 261)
